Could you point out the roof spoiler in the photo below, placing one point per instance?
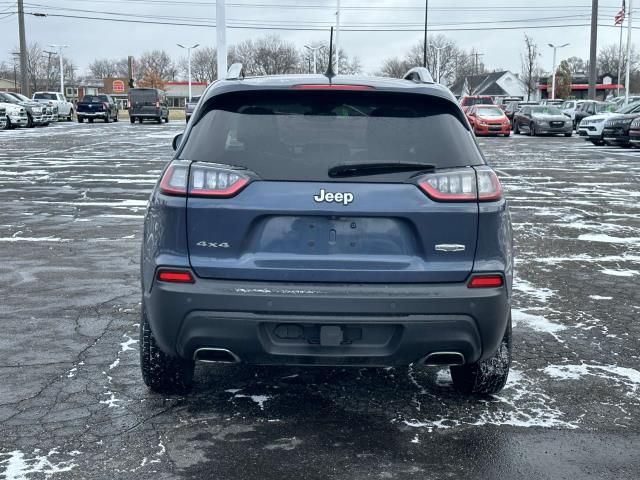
(235, 72)
(419, 75)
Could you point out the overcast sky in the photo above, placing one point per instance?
(90, 39)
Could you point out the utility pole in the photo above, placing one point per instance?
(426, 18)
(627, 85)
(476, 67)
(188, 49)
(49, 54)
(593, 52)
(60, 47)
(24, 77)
(553, 82)
(337, 39)
(221, 36)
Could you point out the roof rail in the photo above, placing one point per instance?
(419, 75)
(235, 72)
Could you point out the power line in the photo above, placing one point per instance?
(292, 28)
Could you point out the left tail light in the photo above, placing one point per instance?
(462, 185)
(200, 180)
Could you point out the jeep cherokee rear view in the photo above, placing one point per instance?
(343, 222)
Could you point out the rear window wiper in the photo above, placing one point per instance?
(364, 169)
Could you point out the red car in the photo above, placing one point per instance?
(470, 100)
(488, 120)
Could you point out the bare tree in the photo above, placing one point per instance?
(530, 69)
(268, 55)
(394, 67)
(577, 65)
(204, 66)
(155, 68)
(348, 66)
(608, 60)
(109, 67)
(449, 57)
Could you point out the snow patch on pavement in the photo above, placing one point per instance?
(18, 467)
(620, 273)
(602, 237)
(536, 322)
(539, 293)
(628, 377)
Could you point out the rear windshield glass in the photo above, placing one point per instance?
(144, 95)
(301, 135)
(546, 110)
(45, 96)
(467, 102)
(95, 99)
(490, 112)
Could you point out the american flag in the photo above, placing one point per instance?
(619, 18)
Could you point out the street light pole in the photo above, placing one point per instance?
(188, 49)
(553, 82)
(60, 47)
(221, 36)
(314, 50)
(437, 49)
(627, 86)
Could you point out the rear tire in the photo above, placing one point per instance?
(486, 376)
(568, 135)
(132, 119)
(70, 117)
(532, 130)
(140, 120)
(166, 120)
(7, 126)
(30, 121)
(107, 119)
(161, 372)
(116, 119)
(80, 119)
(159, 120)
(516, 128)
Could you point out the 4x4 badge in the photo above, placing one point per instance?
(345, 198)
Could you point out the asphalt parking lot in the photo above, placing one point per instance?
(73, 405)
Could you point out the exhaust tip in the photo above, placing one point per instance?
(440, 359)
(215, 355)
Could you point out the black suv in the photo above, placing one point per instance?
(346, 221)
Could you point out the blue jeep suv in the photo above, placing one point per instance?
(345, 221)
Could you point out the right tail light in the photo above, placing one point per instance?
(462, 185)
(199, 180)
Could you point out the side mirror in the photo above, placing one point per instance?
(177, 140)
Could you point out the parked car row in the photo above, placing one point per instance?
(20, 111)
(611, 127)
(16, 110)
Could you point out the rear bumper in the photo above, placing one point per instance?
(92, 114)
(280, 323)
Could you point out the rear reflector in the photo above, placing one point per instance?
(331, 87)
(175, 276)
(486, 281)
